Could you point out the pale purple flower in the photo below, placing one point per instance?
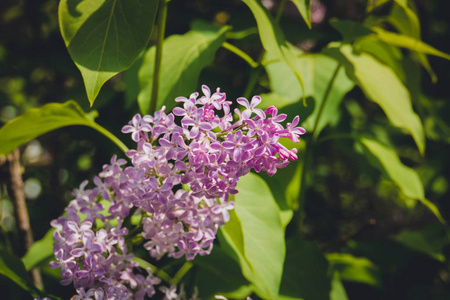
(205, 151)
(250, 107)
(137, 127)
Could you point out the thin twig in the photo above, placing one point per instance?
(17, 196)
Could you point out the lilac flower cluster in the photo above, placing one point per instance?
(178, 186)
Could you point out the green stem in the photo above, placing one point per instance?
(241, 34)
(8, 244)
(324, 100)
(254, 77)
(309, 145)
(181, 272)
(240, 53)
(158, 272)
(305, 164)
(161, 23)
(111, 136)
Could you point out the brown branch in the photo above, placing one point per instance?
(17, 196)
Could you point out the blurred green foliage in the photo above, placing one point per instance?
(376, 148)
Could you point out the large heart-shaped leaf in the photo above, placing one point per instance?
(37, 121)
(184, 57)
(104, 37)
(256, 235)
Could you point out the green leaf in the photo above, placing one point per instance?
(131, 81)
(337, 289)
(411, 40)
(405, 41)
(371, 5)
(381, 85)
(385, 53)
(104, 37)
(217, 274)
(39, 252)
(430, 240)
(285, 186)
(37, 121)
(406, 178)
(317, 71)
(304, 7)
(377, 42)
(356, 269)
(405, 20)
(386, 254)
(184, 57)
(256, 236)
(13, 268)
(272, 39)
(349, 30)
(305, 272)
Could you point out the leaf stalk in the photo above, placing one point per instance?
(161, 23)
(240, 53)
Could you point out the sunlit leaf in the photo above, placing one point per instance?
(256, 236)
(381, 85)
(406, 21)
(305, 272)
(385, 53)
(317, 71)
(105, 37)
(356, 269)
(405, 41)
(272, 38)
(184, 57)
(411, 40)
(286, 184)
(304, 7)
(404, 18)
(337, 289)
(37, 121)
(406, 178)
(39, 252)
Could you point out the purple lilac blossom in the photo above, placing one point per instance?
(206, 153)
